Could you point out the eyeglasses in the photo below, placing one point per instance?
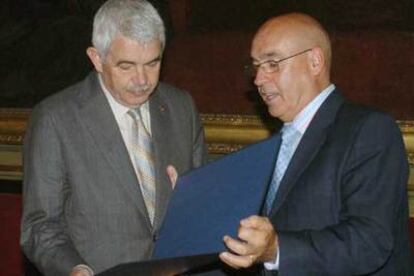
(270, 66)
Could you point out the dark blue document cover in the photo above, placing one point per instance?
(209, 202)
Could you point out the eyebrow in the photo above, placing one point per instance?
(125, 62)
(266, 56)
(158, 58)
(155, 59)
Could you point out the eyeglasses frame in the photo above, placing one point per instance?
(254, 68)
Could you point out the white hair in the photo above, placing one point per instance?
(134, 19)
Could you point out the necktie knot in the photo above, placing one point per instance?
(289, 133)
(136, 115)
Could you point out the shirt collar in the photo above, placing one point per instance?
(118, 109)
(303, 119)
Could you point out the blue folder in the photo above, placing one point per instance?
(209, 202)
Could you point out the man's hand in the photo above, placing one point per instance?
(172, 175)
(81, 270)
(257, 243)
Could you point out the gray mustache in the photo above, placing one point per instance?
(138, 89)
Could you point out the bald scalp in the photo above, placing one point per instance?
(298, 31)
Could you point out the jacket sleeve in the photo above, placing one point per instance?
(199, 145)
(373, 202)
(43, 236)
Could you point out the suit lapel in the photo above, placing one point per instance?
(160, 129)
(309, 146)
(97, 115)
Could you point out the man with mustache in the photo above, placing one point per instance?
(96, 154)
(337, 204)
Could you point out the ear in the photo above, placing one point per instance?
(317, 60)
(95, 58)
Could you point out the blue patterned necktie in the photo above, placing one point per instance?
(290, 138)
(143, 158)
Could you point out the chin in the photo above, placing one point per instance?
(139, 100)
(273, 112)
(133, 103)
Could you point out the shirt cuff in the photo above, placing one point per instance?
(273, 265)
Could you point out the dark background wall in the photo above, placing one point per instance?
(42, 46)
(43, 42)
(372, 41)
(335, 14)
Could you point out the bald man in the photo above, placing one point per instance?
(337, 204)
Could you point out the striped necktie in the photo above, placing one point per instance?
(290, 138)
(143, 158)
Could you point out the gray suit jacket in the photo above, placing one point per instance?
(82, 201)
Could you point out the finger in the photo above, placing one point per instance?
(172, 175)
(254, 229)
(250, 235)
(255, 222)
(236, 261)
(261, 241)
(236, 246)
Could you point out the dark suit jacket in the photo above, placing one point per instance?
(82, 201)
(342, 208)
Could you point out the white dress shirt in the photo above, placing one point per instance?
(125, 121)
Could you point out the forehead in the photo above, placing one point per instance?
(125, 48)
(265, 47)
(272, 42)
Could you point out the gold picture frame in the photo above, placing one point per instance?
(225, 133)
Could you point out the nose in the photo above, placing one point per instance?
(140, 76)
(261, 77)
